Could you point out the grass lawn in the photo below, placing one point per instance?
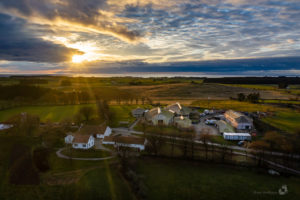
(170, 179)
(286, 121)
(89, 153)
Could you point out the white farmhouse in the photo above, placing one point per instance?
(238, 120)
(83, 141)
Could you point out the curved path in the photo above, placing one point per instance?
(60, 155)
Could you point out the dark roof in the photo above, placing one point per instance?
(243, 119)
(138, 111)
(81, 138)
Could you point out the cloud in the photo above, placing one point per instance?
(87, 15)
(17, 44)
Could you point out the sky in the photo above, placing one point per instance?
(205, 37)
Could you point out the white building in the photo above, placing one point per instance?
(83, 141)
(238, 120)
(5, 126)
(69, 138)
(236, 136)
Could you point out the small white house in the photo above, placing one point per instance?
(5, 126)
(69, 138)
(237, 136)
(83, 141)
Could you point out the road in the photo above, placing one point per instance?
(60, 155)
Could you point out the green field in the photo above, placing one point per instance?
(59, 113)
(235, 105)
(286, 121)
(170, 179)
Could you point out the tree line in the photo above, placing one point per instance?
(254, 80)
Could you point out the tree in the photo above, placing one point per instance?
(241, 96)
(24, 124)
(274, 139)
(22, 171)
(86, 112)
(40, 159)
(104, 112)
(253, 97)
(184, 143)
(155, 142)
(260, 146)
(205, 137)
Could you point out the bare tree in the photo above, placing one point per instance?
(155, 142)
(87, 112)
(205, 137)
(260, 146)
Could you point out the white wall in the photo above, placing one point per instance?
(88, 145)
(106, 133)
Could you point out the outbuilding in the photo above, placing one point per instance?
(138, 112)
(237, 136)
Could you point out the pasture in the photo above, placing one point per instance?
(171, 179)
(286, 121)
(59, 113)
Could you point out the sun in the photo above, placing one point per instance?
(78, 58)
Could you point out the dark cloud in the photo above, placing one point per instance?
(238, 66)
(16, 43)
(86, 13)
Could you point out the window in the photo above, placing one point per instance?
(84, 145)
(75, 145)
